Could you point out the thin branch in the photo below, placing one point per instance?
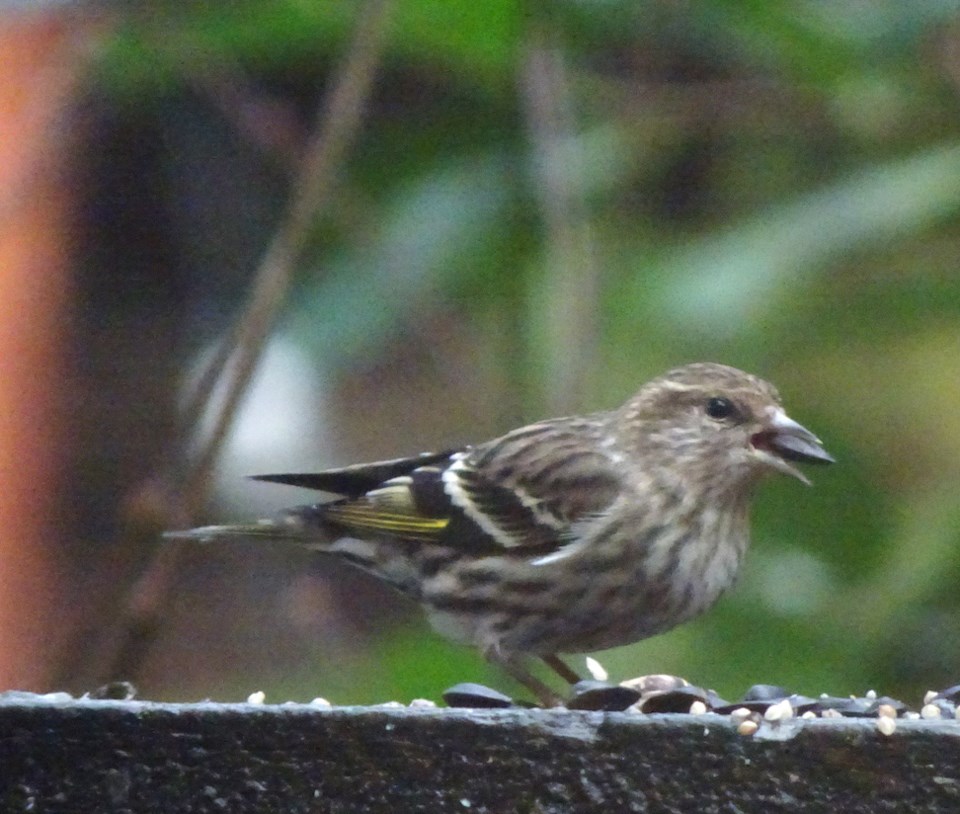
(570, 291)
(258, 116)
(336, 127)
(201, 390)
(236, 361)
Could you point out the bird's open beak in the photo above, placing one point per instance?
(784, 440)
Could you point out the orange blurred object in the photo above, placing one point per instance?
(41, 61)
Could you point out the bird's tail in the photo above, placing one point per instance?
(390, 561)
(302, 525)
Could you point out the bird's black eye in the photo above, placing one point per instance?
(719, 408)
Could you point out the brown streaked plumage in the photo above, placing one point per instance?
(568, 535)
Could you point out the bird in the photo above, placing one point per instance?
(568, 535)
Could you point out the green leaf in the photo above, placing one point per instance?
(718, 284)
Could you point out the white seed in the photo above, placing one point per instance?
(257, 697)
(831, 713)
(595, 668)
(910, 715)
(930, 711)
(748, 727)
(320, 702)
(871, 695)
(886, 711)
(809, 714)
(422, 703)
(698, 708)
(779, 711)
(740, 714)
(929, 696)
(886, 725)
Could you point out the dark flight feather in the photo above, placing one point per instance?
(357, 480)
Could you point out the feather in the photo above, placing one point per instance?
(521, 495)
(356, 480)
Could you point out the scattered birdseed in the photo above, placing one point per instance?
(831, 713)
(595, 668)
(658, 682)
(422, 703)
(601, 696)
(886, 711)
(930, 711)
(951, 693)
(910, 715)
(809, 714)
(476, 696)
(748, 727)
(779, 711)
(803, 703)
(257, 698)
(929, 696)
(320, 702)
(886, 725)
(698, 708)
(850, 707)
(678, 700)
(886, 701)
(765, 692)
(871, 695)
(740, 714)
(390, 705)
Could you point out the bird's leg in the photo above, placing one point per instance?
(512, 665)
(555, 663)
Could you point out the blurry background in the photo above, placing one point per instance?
(514, 210)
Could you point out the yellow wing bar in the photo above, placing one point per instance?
(361, 515)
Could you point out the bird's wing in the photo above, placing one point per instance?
(401, 497)
(529, 489)
(520, 494)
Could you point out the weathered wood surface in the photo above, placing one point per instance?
(119, 756)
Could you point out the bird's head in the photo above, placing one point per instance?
(719, 426)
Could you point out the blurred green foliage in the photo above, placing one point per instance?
(775, 185)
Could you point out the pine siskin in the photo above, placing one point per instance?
(568, 535)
